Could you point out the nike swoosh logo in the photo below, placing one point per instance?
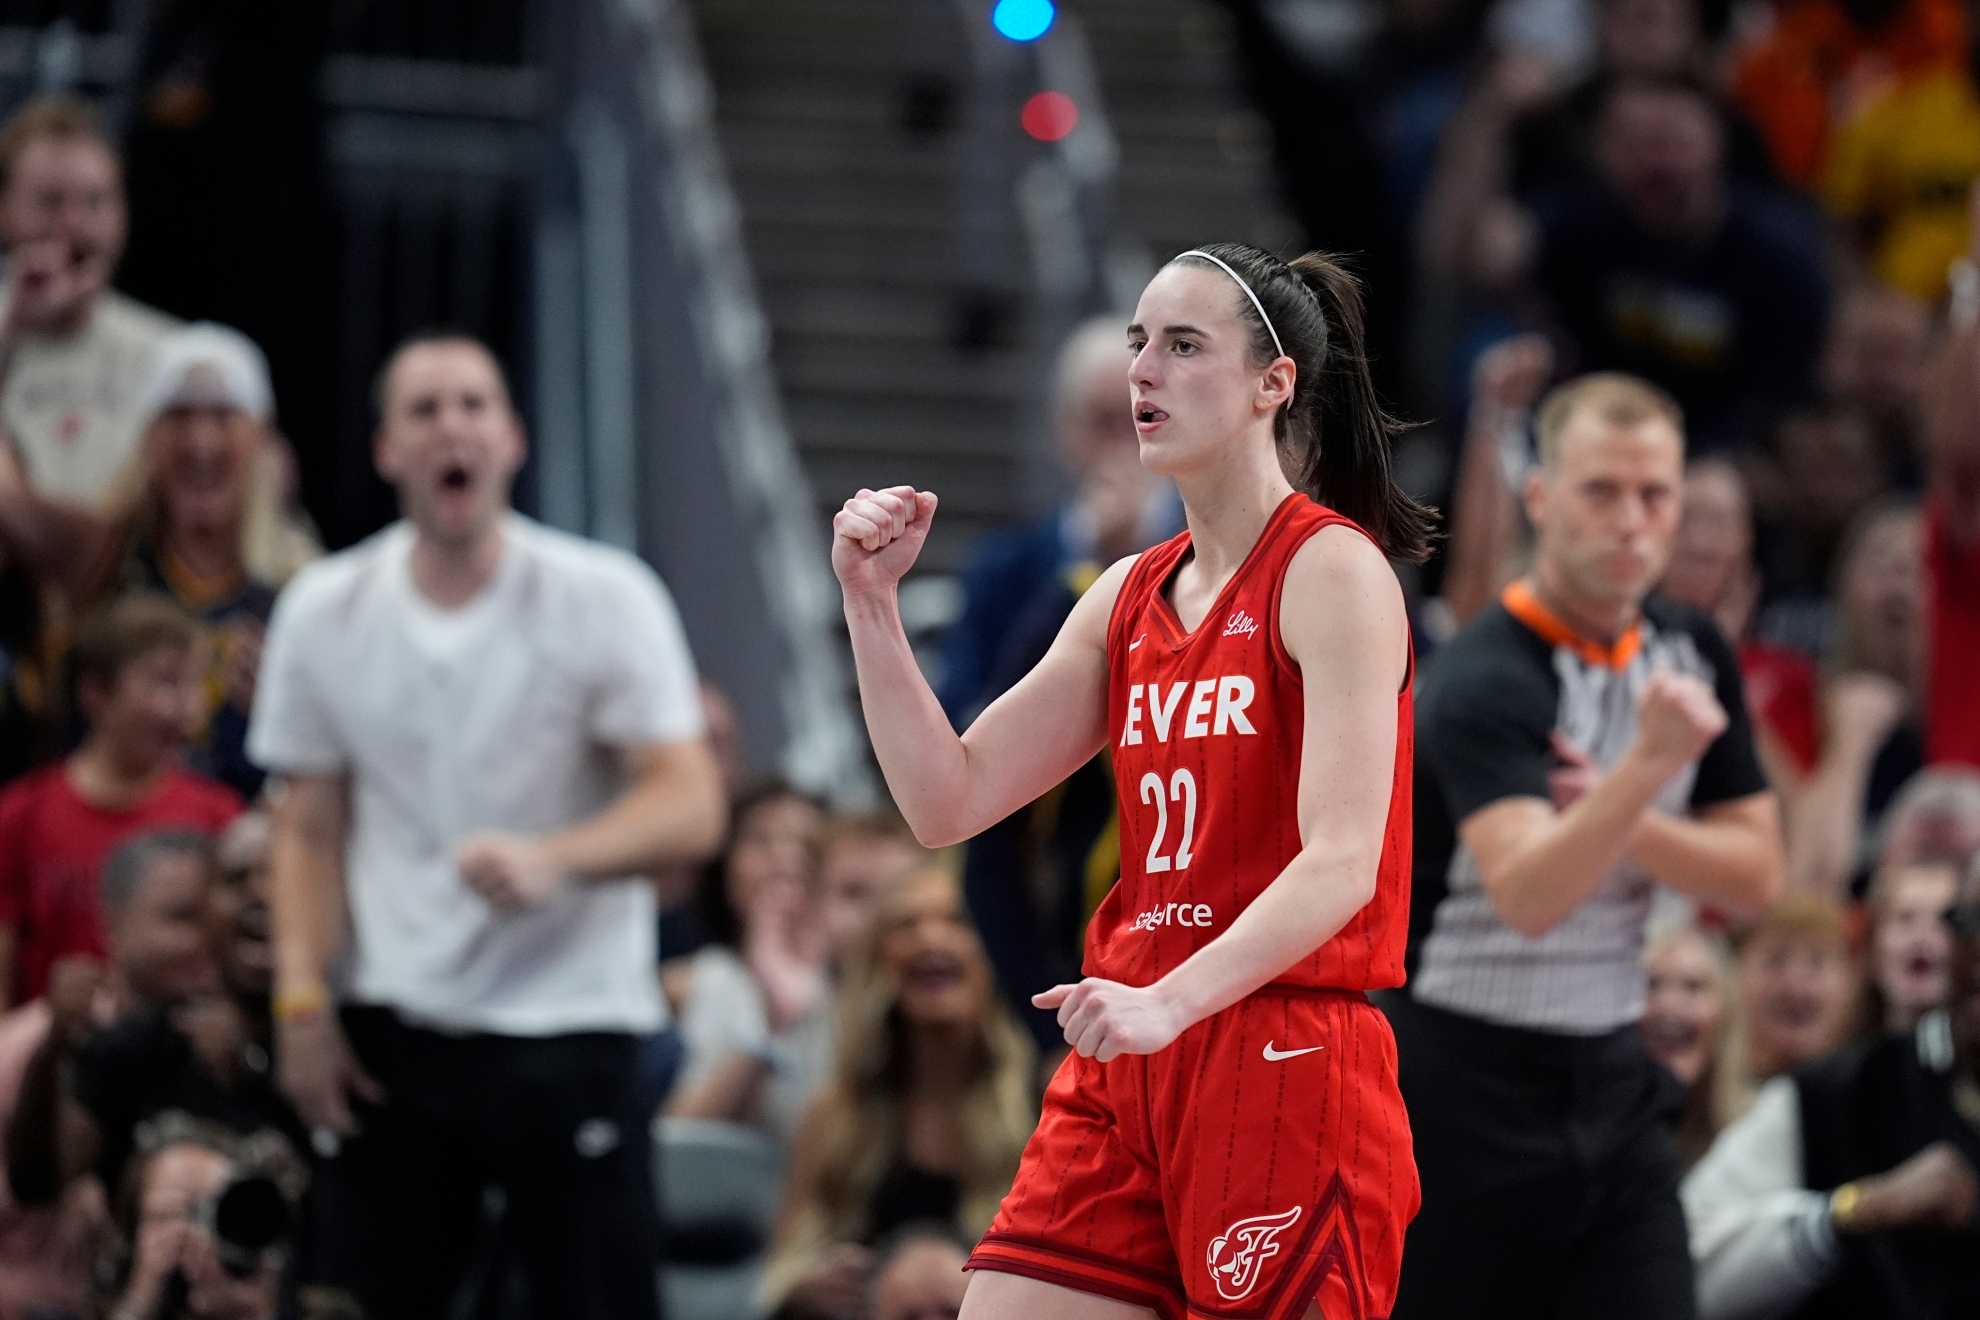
(1137, 641)
(1273, 1056)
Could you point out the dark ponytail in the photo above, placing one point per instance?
(1335, 437)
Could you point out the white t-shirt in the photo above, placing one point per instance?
(501, 715)
(71, 403)
(725, 1014)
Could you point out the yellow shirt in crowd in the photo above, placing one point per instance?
(1903, 166)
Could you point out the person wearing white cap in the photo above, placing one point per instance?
(206, 522)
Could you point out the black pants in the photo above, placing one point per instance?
(1549, 1174)
(556, 1122)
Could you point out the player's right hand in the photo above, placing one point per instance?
(877, 536)
(1677, 717)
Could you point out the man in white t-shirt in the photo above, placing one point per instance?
(486, 732)
(74, 353)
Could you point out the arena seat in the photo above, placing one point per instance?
(718, 1186)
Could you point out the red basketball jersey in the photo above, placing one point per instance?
(1206, 729)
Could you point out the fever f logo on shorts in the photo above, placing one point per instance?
(1237, 1253)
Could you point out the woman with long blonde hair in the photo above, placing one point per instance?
(205, 515)
(928, 1110)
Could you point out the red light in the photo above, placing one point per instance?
(1049, 116)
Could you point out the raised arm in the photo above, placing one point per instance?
(1539, 863)
(1343, 622)
(62, 542)
(1486, 520)
(951, 788)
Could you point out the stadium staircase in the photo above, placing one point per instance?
(844, 146)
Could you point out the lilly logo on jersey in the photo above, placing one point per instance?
(1240, 625)
(1230, 695)
(1237, 1253)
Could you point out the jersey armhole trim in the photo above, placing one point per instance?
(1281, 656)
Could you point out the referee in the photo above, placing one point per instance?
(1578, 745)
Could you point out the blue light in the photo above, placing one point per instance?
(1023, 20)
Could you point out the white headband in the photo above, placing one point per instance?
(1199, 252)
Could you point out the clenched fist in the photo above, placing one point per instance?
(511, 871)
(877, 536)
(1677, 717)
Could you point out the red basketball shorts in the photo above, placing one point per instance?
(1258, 1163)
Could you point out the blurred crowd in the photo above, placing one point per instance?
(382, 1033)
(1767, 210)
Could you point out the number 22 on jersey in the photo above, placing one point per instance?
(1180, 788)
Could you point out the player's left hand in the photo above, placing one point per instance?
(1105, 1019)
(511, 871)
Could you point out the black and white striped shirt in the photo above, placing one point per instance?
(1489, 702)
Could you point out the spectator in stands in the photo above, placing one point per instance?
(1841, 769)
(156, 890)
(1691, 1026)
(679, 889)
(1713, 569)
(1116, 508)
(1934, 818)
(918, 1275)
(1488, 527)
(1668, 272)
(858, 857)
(1798, 986)
(1952, 463)
(49, 1228)
(487, 732)
(1522, 136)
(45, 1250)
(210, 1057)
(1896, 176)
(178, 1266)
(1820, 739)
(74, 353)
(1910, 947)
(1848, 1189)
(929, 1109)
(1821, 468)
(210, 525)
(755, 1002)
(1813, 70)
(1874, 362)
(136, 670)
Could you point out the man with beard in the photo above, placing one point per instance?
(1848, 1188)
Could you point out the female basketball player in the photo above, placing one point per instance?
(1227, 1138)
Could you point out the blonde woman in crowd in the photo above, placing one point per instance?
(928, 1111)
(1691, 1025)
(206, 516)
